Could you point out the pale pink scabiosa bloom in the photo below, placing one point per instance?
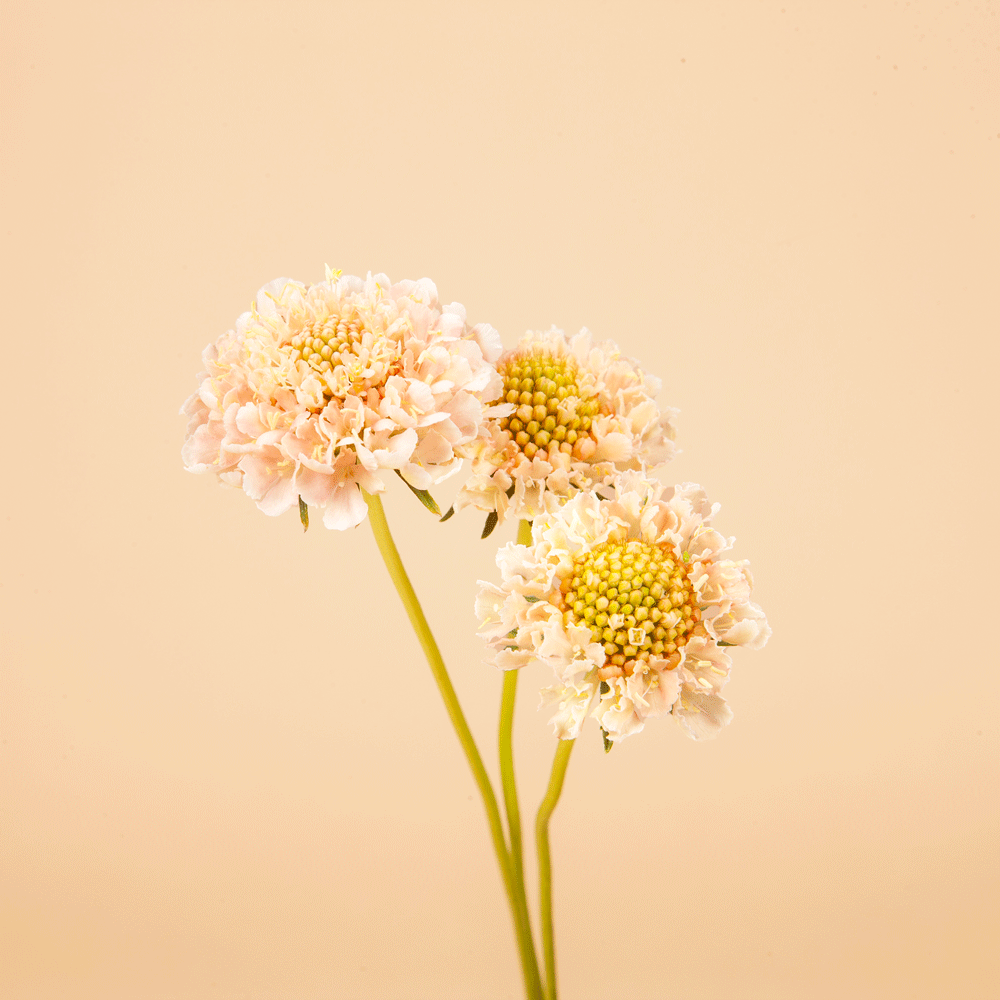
(630, 602)
(573, 413)
(322, 388)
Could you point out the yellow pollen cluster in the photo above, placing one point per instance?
(345, 351)
(635, 597)
(551, 415)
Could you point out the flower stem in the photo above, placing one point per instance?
(563, 750)
(390, 555)
(507, 757)
(505, 742)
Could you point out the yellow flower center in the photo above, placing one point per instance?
(551, 413)
(635, 597)
(346, 353)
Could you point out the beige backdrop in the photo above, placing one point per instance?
(226, 772)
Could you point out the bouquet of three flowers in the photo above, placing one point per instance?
(619, 590)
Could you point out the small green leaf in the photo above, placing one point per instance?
(607, 742)
(605, 687)
(304, 514)
(510, 491)
(449, 513)
(491, 523)
(721, 643)
(423, 496)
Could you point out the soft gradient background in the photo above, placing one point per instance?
(226, 772)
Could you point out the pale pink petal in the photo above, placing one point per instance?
(294, 395)
(345, 509)
(279, 497)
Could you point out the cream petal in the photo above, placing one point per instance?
(703, 715)
(572, 706)
(512, 659)
(656, 691)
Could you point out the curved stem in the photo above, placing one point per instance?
(505, 745)
(510, 788)
(552, 794)
(390, 555)
(505, 740)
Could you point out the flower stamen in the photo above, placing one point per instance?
(635, 597)
(553, 411)
(347, 353)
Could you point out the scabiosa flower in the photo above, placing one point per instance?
(322, 388)
(629, 601)
(573, 413)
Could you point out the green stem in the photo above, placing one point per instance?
(390, 555)
(505, 742)
(505, 739)
(514, 818)
(564, 749)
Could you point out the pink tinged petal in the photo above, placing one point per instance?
(260, 473)
(279, 497)
(398, 450)
(315, 487)
(661, 690)
(370, 482)
(708, 543)
(249, 422)
(365, 457)
(752, 634)
(345, 509)
(703, 715)
(498, 410)
(271, 437)
(192, 405)
(419, 478)
(466, 412)
(453, 317)
(744, 625)
(642, 416)
(613, 447)
(419, 397)
(434, 449)
(200, 451)
(445, 470)
(488, 340)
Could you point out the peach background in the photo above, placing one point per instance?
(225, 770)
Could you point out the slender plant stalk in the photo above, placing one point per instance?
(383, 538)
(505, 741)
(563, 750)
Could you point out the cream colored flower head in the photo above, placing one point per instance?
(573, 414)
(321, 389)
(629, 601)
